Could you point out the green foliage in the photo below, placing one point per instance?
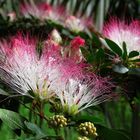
(114, 47)
(12, 119)
(35, 130)
(109, 134)
(133, 54)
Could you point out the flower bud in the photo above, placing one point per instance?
(55, 36)
(57, 121)
(87, 129)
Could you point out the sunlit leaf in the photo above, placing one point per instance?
(35, 130)
(120, 68)
(12, 119)
(114, 47)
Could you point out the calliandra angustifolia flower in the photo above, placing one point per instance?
(22, 68)
(67, 69)
(119, 32)
(43, 11)
(78, 91)
(73, 51)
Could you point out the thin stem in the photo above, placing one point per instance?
(44, 117)
(41, 113)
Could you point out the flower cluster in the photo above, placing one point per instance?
(22, 68)
(57, 14)
(51, 74)
(43, 11)
(119, 32)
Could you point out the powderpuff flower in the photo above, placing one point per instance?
(24, 70)
(78, 95)
(119, 32)
(76, 24)
(78, 90)
(43, 11)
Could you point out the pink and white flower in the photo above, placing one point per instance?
(78, 90)
(78, 95)
(23, 69)
(119, 32)
(43, 11)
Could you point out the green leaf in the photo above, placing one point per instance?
(12, 119)
(120, 68)
(133, 54)
(114, 47)
(96, 40)
(124, 51)
(35, 130)
(110, 134)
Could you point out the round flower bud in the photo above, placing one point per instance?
(87, 129)
(57, 121)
